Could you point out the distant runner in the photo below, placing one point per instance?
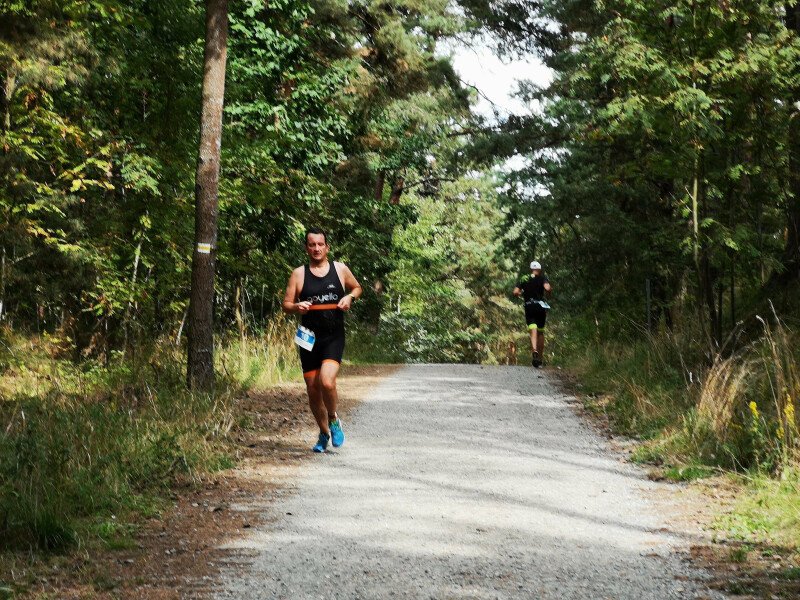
(317, 291)
(533, 290)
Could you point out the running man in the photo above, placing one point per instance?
(533, 290)
(318, 292)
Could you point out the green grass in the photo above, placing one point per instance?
(639, 385)
(262, 359)
(739, 554)
(791, 574)
(767, 512)
(89, 448)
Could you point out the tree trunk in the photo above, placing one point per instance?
(2, 281)
(791, 250)
(238, 310)
(380, 182)
(9, 87)
(397, 190)
(126, 319)
(200, 369)
(700, 261)
(733, 292)
(707, 284)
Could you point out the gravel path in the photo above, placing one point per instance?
(462, 481)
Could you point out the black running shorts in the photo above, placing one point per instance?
(328, 346)
(535, 316)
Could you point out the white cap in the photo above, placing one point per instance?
(535, 265)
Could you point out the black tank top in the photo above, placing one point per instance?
(533, 288)
(323, 290)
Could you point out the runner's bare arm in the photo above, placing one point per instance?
(293, 288)
(517, 291)
(548, 288)
(350, 283)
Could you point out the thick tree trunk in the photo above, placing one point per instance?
(200, 371)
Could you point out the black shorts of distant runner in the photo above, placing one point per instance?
(535, 316)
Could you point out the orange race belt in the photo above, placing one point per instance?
(323, 307)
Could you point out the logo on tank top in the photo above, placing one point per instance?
(331, 286)
(324, 298)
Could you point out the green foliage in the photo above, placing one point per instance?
(88, 445)
(449, 287)
(690, 416)
(324, 100)
(99, 441)
(768, 511)
(670, 151)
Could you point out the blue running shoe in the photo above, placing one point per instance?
(322, 442)
(337, 435)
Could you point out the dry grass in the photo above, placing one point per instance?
(721, 391)
(784, 385)
(265, 359)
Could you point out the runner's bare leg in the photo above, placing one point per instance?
(315, 399)
(327, 377)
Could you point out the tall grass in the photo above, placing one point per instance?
(84, 444)
(721, 391)
(783, 378)
(262, 359)
(736, 411)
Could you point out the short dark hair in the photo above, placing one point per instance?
(316, 230)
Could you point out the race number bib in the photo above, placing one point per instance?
(305, 338)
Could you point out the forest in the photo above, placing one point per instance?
(656, 177)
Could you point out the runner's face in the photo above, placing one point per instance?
(316, 247)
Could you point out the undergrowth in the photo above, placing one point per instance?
(697, 414)
(87, 446)
(769, 512)
(734, 411)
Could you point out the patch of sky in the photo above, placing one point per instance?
(502, 85)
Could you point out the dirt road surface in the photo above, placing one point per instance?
(464, 481)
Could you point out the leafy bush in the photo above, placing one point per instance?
(420, 339)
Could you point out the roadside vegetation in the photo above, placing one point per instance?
(733, 416)
(87, 448)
